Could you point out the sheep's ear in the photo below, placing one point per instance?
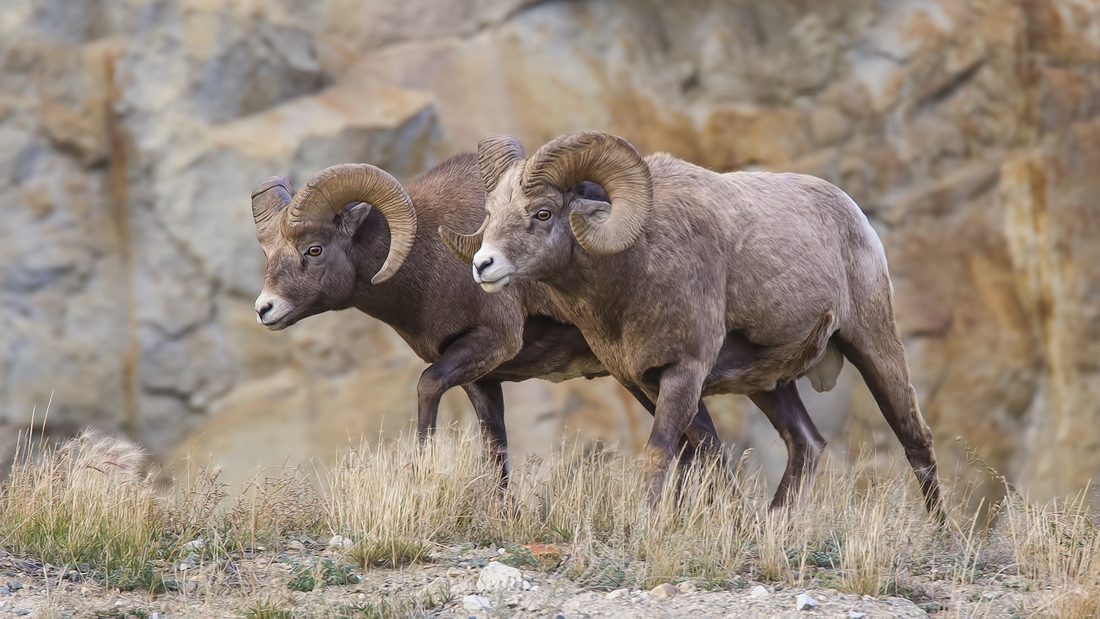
(352, 216)
(590, 191)
(595, 211)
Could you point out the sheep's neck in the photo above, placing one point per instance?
(593, 292)
(396, 302)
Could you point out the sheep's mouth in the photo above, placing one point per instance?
(496, 285)
(280, 322)
(279, 325)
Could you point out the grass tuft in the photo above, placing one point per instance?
(84, 504)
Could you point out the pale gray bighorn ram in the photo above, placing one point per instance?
(685, 277)
(354, 237)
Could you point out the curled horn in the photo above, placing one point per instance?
(609, 161)
(333, 188)
(495, 154)
(269, 198)
(464, 246)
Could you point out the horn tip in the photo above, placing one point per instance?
(272, 182)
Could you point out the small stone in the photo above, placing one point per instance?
(476, 604)
(463, 564)
(361, 597)
(779, 587)
(196, 544)
(499, 577)
(296, 545)
(758, 592)
(339, 542)
(154, 616)
(20, 611)
(15, 586)
(663, 591)
(616, 594)
(854, 615)
(816, 581)
(5, 591)
(501, 551)
(454, 572)
(804, 601)
(686, 588)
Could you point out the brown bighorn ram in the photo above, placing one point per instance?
(685, 277)
(354, 237)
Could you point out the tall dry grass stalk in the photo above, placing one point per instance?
(1057, 544)
(397, 502)
(858, 528)
(83, 502)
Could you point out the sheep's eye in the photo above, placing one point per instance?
(314, 251)
(542, 215)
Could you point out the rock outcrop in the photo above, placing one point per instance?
(131, 133)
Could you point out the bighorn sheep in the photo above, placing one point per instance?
(686, 276)
(327, 249)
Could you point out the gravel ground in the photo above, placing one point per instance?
(461, 582)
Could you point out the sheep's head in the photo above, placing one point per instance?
(540, 209)
(308, 238)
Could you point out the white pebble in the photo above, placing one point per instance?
(804, 601)
(476, 604)
(758, 592)
(663, 591)
(339, 542)
(499, 577)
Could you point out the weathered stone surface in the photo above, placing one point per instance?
(131, 133)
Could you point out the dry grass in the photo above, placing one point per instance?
(85, 505)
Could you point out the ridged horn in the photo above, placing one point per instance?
(334, 187)
(495, 154)
(464, 246)
(269, 198)
(609, 161)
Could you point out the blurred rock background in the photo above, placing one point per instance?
(132, 131)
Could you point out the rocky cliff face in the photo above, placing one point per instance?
(132, 131)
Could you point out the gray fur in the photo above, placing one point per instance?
(728, 268)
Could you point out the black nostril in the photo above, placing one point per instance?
(264, 309)
(484, 264)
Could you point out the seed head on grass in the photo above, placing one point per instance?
(84, 502)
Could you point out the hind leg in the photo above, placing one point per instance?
(875, 348)
(787, 413)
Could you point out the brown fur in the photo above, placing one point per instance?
(729, 269)
(471, 339)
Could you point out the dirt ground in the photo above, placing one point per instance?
(262, 586)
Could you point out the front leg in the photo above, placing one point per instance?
(700, 434)
(465, 361)
(680, 390)
(488, 400)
